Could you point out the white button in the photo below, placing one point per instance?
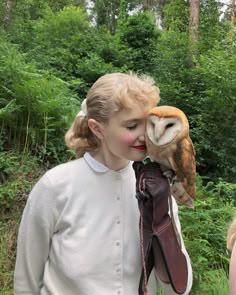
(117, 243)
(118, 221)
(118, 292)
(117, 196)
(117, 268)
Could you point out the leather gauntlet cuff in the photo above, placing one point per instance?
(159, 244)
(163, 253)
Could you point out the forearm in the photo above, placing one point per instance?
(34, 239)
(30, 258)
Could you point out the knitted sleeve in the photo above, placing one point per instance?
(34, 237)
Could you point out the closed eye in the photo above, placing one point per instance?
(170, 125)
(131, 127)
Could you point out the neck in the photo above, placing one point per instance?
(112, 162)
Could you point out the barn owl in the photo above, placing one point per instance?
(168, 143)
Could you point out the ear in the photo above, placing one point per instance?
(96, 128)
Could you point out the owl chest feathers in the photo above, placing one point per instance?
(163, 154)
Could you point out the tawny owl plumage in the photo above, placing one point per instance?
(168, 143)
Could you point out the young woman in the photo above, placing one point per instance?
(231, 245)
(79, 233)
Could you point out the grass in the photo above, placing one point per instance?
(215, 282)
(8, 233)
(20, 173)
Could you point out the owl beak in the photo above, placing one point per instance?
(158, 132)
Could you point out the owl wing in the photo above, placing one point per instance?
(184, 165)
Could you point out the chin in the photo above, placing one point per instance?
(139, 157)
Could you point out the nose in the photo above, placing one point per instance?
(141, 137)
(142, 132)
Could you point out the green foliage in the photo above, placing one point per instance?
(171, 71)
(71, 48)
(139, 35)
(204, 230)
(18, 20)
(36, 107)
(16, 174)
(60, 39)
(211, 30)
(225, 190)
(105, 14)
(176, 16)
(214, 282)
(8, 234)
(214, 87)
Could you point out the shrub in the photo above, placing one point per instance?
(204, 230)
(17, 171)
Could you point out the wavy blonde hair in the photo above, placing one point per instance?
(231, 235)
(110, 94)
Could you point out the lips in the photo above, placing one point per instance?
(140, 147)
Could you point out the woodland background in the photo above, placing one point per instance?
(50, 54)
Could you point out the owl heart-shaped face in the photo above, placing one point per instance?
(166, 125)
(162, 131)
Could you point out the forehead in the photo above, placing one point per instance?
(137, 112)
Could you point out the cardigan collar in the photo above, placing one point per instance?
(99, 167)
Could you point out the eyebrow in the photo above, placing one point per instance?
(131, 120)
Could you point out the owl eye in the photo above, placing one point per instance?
(169, 125)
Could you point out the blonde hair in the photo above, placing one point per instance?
(109, 94)
(231, 235)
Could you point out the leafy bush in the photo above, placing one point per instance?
(20, 173)
(8, 236)
(35, 107)
(214, 103)
(204, 230)
(69, 46)
(214, 282)
(225, 190)
(17, 173)
(138, 38)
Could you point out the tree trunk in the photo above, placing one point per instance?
(149, 4)
(231, 30)
(7, 17)
(232, 15)
(194, 21)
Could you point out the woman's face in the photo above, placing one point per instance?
(123, 137)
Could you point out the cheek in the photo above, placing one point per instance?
(128, 139)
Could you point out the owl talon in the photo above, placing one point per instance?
(168, 174)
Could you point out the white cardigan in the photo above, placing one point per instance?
(79, 233)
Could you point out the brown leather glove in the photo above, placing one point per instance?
(159, 244)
